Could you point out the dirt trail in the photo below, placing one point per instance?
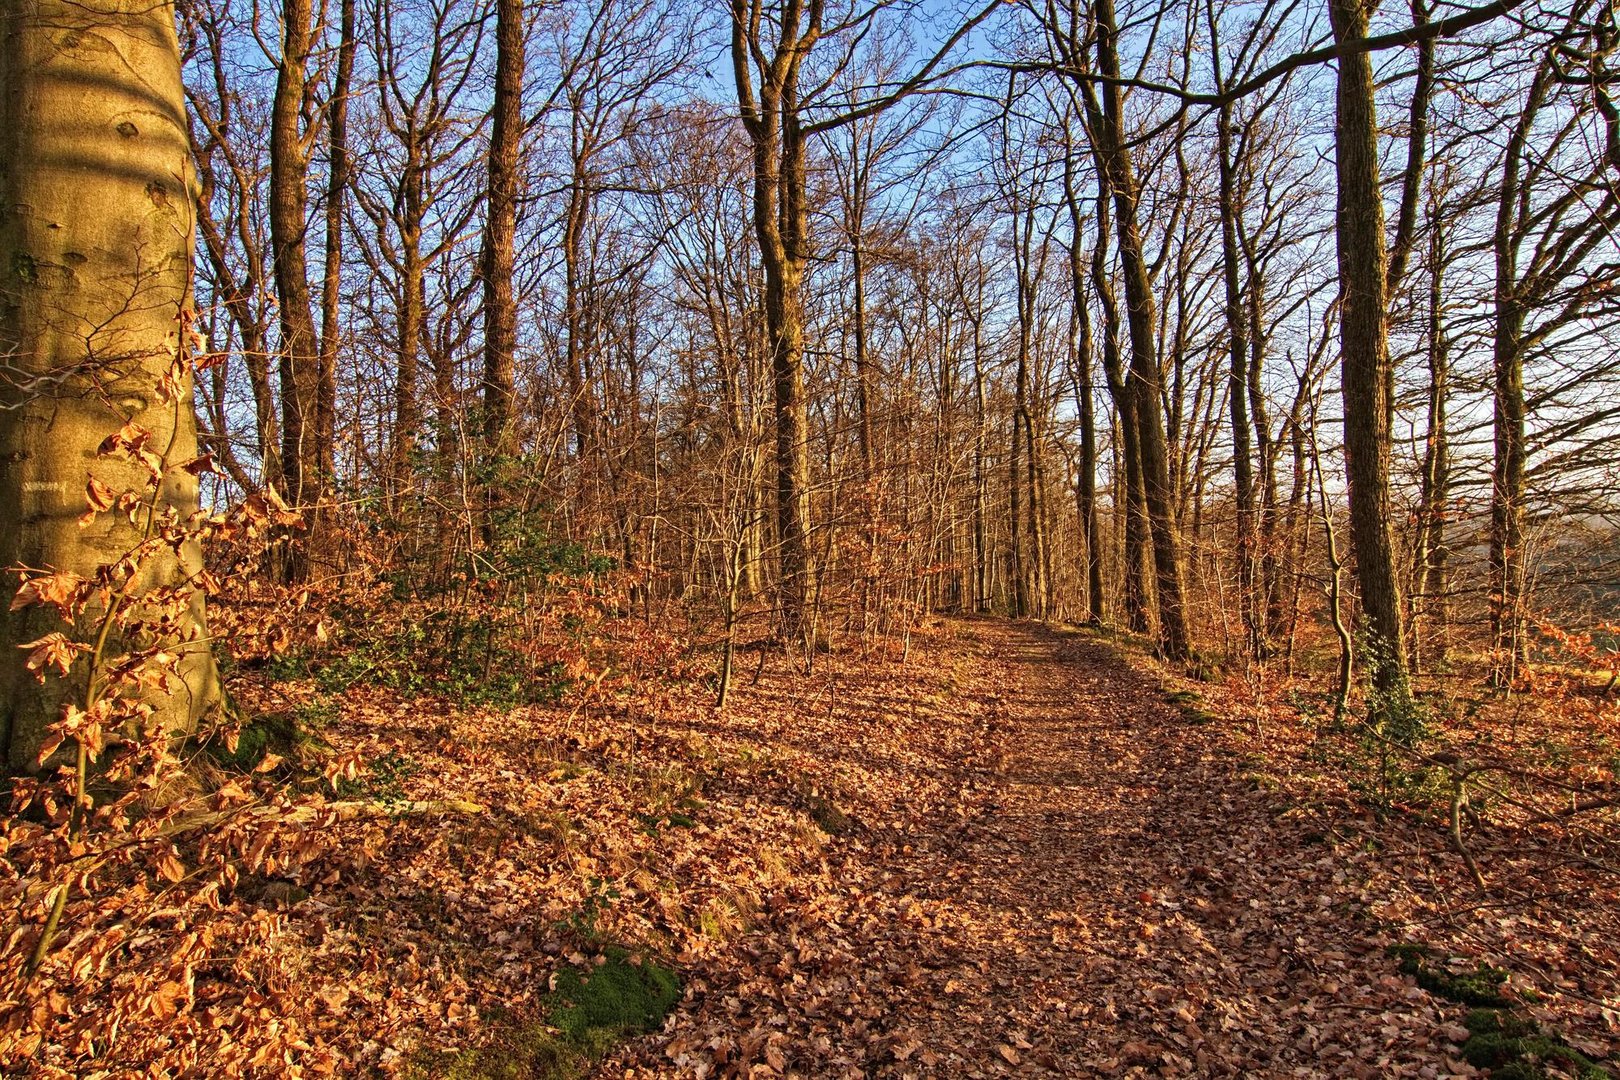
(1109, 896)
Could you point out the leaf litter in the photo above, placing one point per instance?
(1009, 855)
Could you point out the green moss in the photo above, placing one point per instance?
(1498, 1022)
(1517, 1050)
(587, 1013)
(1259, 781)
(286, 667)
(1511, 1046)
(383, 781)
(827, 816)
(621, 996)
(1191, 706)
(286, 734)
(1483, 986)
(1480, 987)
(1405, 951)
(529, 1052)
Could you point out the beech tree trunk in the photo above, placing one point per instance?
(1508, 411)
(1085, 405)
(1237, 330)
(1429, 609)
(337, 187)
(409, 321)
(1144, 382)
(770, 115)
(1132, 511)
(96, 232)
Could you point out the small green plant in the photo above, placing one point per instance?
(287, 666)
(467, 660)
(651, 824)
(383, 781)
(289, 733)
(826, 813)
(583, 923)
(1191, 706)
(1395, 723)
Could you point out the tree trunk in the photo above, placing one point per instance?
(408, 324)
(1266, 451)
(1237, 328)
(781, 227)
(1144, 382)
(1080, 373)
(300, 358)
(982, 600)
(1133, 511)
(337, 186)
(500, 230)
(1508, 412)
(865, 383)
(1429, 570)
(96, 233)
(1364, 344)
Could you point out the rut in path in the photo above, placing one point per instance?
(1112, 897)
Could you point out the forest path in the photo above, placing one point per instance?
(1115, 894)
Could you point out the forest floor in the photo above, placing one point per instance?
(1017, 853)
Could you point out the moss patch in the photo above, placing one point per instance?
(586, 1014)
(1191, 706)
(1514, 1048)
(1482, 986)
(624, 995)
(292, 733)
(1511, 1046)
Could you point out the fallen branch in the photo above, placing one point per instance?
(354, 809)
(1459, 799)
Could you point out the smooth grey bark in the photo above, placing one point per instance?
(97, 220)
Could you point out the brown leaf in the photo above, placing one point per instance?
(98, 495)
(53, 650)
(202, 463)
(60, 590)
(170, 866)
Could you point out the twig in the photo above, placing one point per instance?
(1459, 799)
